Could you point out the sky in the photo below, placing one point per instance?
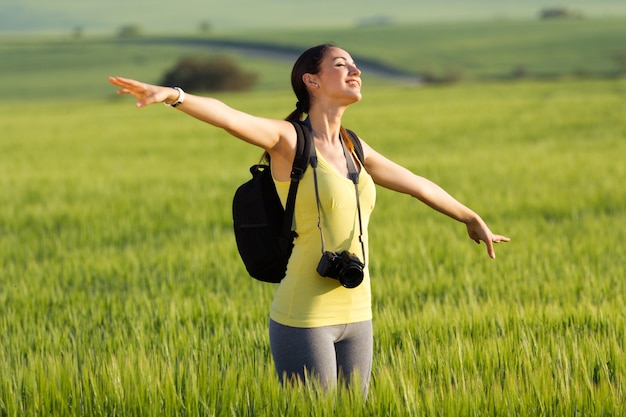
(161, 16)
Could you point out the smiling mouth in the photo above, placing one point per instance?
(354, 83)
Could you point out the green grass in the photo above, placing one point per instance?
(121, 292)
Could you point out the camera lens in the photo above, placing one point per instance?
(351, 276)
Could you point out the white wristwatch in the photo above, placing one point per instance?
(179, 100)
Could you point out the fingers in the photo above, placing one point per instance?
(116, 82)
(490, 250)
(144, 93)
(122, 91)
(112, 80)
(123, 82)
(490, 244)
(128, 86)
(499, 238)
(484, 234)
(120, 82)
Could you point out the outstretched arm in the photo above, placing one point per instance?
(388, 174)
(269, 134)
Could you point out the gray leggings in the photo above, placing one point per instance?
(328, 353)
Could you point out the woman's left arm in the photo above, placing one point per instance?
(389, 174)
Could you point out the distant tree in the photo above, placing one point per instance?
(375, 21)
(519, 71)
(205, 27)
(129, 31)
(448, 77)
(219, 73)
(558, 13)
(78, 32)
(620, 59)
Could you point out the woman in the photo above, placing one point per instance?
(318, 328)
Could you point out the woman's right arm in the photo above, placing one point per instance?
(273, 135)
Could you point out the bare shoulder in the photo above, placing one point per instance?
(286, 143)
(283, 152)
(368, 151)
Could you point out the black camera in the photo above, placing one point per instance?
(344, 267)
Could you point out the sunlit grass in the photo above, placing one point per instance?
(121, 292)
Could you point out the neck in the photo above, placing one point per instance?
(325, 123)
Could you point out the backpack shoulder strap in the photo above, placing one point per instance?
(358, 147)
(303, 146)
(300, 163)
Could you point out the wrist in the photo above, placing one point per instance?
(180, 97)
(472, 219)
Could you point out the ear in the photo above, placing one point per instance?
(310, 80)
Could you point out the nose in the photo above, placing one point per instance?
(354, 69)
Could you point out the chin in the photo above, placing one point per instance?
(357, 97)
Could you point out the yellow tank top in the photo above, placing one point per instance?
(304, 298)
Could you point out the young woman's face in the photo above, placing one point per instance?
(338, 76)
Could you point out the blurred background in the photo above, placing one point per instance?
(185, 16)
(415, 42)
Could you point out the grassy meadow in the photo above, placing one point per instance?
(122, 294)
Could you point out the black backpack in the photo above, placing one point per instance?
(262, 227)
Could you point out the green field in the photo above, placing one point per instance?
(122, 293)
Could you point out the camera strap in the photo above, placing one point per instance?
(354, 177)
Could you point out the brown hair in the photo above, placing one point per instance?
(308, 63)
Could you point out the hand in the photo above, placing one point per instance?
(478, 230)
(145, 93)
